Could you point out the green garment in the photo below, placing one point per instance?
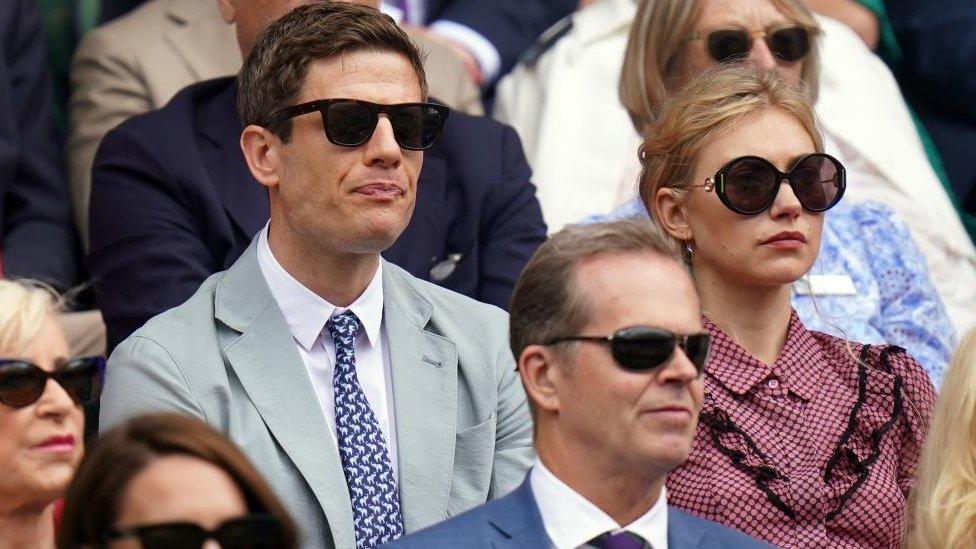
(65, 21)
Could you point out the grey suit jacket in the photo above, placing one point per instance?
(137, 63)
(226, 356)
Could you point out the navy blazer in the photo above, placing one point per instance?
(174, 202)
(510, 25)
(37, 235)
(514, 522)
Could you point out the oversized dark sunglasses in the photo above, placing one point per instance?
(731, 44)
(640, 348)
(350, 122)
(255, 531)
(749, 184)
(22, 383)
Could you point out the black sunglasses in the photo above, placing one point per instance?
(641, 348)
(350, 122)
(255, 531)
(748, 185)
(729, 45)
(22, 383)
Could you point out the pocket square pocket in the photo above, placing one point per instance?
(474, 453)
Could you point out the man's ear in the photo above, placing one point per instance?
(539, 367)
(262, 151)
(228, 11)
(668, 209)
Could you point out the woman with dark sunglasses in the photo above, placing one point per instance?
(41, 419)
(871, 282)
(804, 439)
(167, 481)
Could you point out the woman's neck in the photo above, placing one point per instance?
(757, 318)
(27, 529)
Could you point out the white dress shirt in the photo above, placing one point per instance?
(571, 520)
(306, 314)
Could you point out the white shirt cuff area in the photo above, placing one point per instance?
(483, 51)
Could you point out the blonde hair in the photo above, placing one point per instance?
(707, 106)
(943, 502)
(656, 42)
(24, 306)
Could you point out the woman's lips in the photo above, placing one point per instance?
(57, 444)
(786, 240)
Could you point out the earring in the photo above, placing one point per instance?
(687, 252)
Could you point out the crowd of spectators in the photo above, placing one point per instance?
(438, 273)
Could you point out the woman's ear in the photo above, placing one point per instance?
(668, 209)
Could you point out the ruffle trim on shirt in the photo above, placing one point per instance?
(744, 455)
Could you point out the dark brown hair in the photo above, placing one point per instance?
(545, 304)
(275, 70)
(95, 495)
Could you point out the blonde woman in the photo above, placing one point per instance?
(805, 439)
(42, 390)
(944, 500)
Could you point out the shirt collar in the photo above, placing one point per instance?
(800, 363)
(571, 520)
(305, 312)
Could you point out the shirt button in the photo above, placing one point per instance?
(773, 383)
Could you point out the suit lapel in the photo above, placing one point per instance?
(424, 373)
(271, 371)
(197, 27)
(516, 517)
(244, 199)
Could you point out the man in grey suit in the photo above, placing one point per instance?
(606, 325)
(374, 403)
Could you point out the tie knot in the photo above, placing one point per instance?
(344, 327)
(620, 540)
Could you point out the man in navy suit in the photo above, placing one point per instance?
(173, 202)
(606, 328)
(37, 238)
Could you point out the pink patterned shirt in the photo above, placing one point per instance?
(813, 451)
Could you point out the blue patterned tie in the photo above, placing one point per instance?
(362, 449)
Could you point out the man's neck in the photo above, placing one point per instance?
(624, 496)
(337, 278)
(27, 529)
(756, 317)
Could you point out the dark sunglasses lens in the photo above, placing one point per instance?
(349, 124)
(171, 536)
(790, 44)
(642, 348)
(416, 127)
(21, 384)
(816, 181)
(82, 379)
(697, 348)
(726, 46)
(251, 533)
(749, 184)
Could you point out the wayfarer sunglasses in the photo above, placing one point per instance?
(22, 383)
(350, 122)
(749, 184)
(255, 531)
(730, 44)
(641, 348)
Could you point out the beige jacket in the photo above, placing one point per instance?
(138, 62)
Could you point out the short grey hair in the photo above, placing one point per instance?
(546, 304)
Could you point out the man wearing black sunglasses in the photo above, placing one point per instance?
(606, 327)
(173, 200)
(373, 402)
